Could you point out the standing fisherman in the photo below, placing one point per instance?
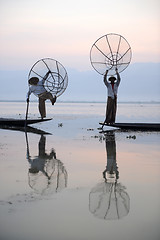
(112, 87)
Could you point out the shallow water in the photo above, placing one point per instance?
(52, 186)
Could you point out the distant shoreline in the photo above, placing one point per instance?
(124, 102)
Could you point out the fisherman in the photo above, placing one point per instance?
(111, 172)
(112, 85)
(38, 163)
(37, 87)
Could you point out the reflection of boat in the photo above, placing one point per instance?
(135, 126)
(20, 122)
(26, 129)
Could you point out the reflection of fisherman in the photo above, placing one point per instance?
(111, 169)
(112, 87)
(38, 164)
(108, 199)
(46, 174)
(37, 87)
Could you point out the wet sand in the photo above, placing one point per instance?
(53, 186)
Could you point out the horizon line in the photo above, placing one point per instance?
(86, 101)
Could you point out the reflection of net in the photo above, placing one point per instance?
(53, 179)
(109, 201)
(109, 52)
(57, 81)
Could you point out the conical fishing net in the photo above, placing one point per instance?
(109, 52)
(53, 177)
(109, 201)
(57, 80)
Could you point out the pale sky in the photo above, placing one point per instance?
(66, 29)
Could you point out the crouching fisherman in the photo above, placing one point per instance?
(37, 87)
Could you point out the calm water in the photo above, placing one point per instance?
(53, 186)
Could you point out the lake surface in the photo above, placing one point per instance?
(70, 181)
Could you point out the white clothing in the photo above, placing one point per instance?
(112, 92)
(36, 89)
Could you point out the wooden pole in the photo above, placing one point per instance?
(26, 114)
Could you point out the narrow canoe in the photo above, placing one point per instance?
(20, 122)
(135, 126)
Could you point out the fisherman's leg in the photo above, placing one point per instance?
(41, 146)
(50, 97)
(104, 174)
(114, 110)
(42, 107)
(108, 110)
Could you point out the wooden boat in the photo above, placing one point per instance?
(20, 122)
(135, 126)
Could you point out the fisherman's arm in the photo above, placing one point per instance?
(118, 77)
(105, 78)
(46, 76)
(29, 93)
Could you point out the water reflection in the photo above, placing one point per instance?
(27, 129)
(46, 173)
(109, 200)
